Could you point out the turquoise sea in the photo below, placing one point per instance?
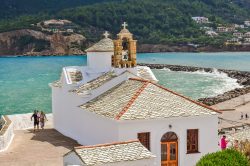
(24, 80)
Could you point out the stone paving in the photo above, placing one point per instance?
(42, 148)
(232, 111)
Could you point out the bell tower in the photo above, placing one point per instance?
(124, 49)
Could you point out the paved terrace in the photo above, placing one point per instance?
(43, 148)
(232, 111)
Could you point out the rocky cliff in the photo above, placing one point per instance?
(31, 42)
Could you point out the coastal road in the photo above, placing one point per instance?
(43, 148)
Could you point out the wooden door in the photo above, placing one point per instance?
(169, 153)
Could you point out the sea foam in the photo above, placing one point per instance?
(222, 82)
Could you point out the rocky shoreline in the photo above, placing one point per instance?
(243, 78)
(155, 48)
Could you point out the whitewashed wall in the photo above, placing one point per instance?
(144, 162)
(207, 135)
(99, 60)
(85, 127)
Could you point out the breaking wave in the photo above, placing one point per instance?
(198, 84)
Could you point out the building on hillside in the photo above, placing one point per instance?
(247, 40)
(247, 35)
(231, 29)
(57, 26)
(222, 29)
(54, 22)
(238, 34)
(239, 26)
(247, 23)
(211, 33)
(114, 100)
(233, 41)
(226, 29)
(201, 20)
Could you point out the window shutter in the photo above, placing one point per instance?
(144, 138)
(192, 140)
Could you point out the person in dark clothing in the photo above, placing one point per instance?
(246, 116)
(36, 120)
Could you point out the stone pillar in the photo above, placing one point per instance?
(132, 52)
(117, 53)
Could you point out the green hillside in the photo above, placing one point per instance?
(13, 8)
(158, 21)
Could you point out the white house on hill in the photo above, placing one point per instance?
(114, 100)
(201, 20)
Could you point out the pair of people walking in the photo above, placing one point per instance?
(242, 116)
(39, 118)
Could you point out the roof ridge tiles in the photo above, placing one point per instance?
(186, 98)
(175, 93)
(106, 144)
(131, 101)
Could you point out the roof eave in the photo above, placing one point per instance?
(99, 51)
(164, 118)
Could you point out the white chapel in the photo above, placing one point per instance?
(120, 115)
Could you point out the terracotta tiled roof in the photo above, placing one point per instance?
(140, 99)
(113, 153)
(104, 45)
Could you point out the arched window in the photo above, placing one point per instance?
(124, 44)
(169, 149)
(168, 137)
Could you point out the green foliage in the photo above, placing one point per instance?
(152, 22)
(13, 8)
(227, 157)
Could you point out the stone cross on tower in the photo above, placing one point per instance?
(124, 25)
(106, 34)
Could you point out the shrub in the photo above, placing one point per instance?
(229, 157)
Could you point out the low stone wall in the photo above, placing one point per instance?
(243, 78)
(225, 96)
(23, 121)
(17, 122)
(6, 134)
